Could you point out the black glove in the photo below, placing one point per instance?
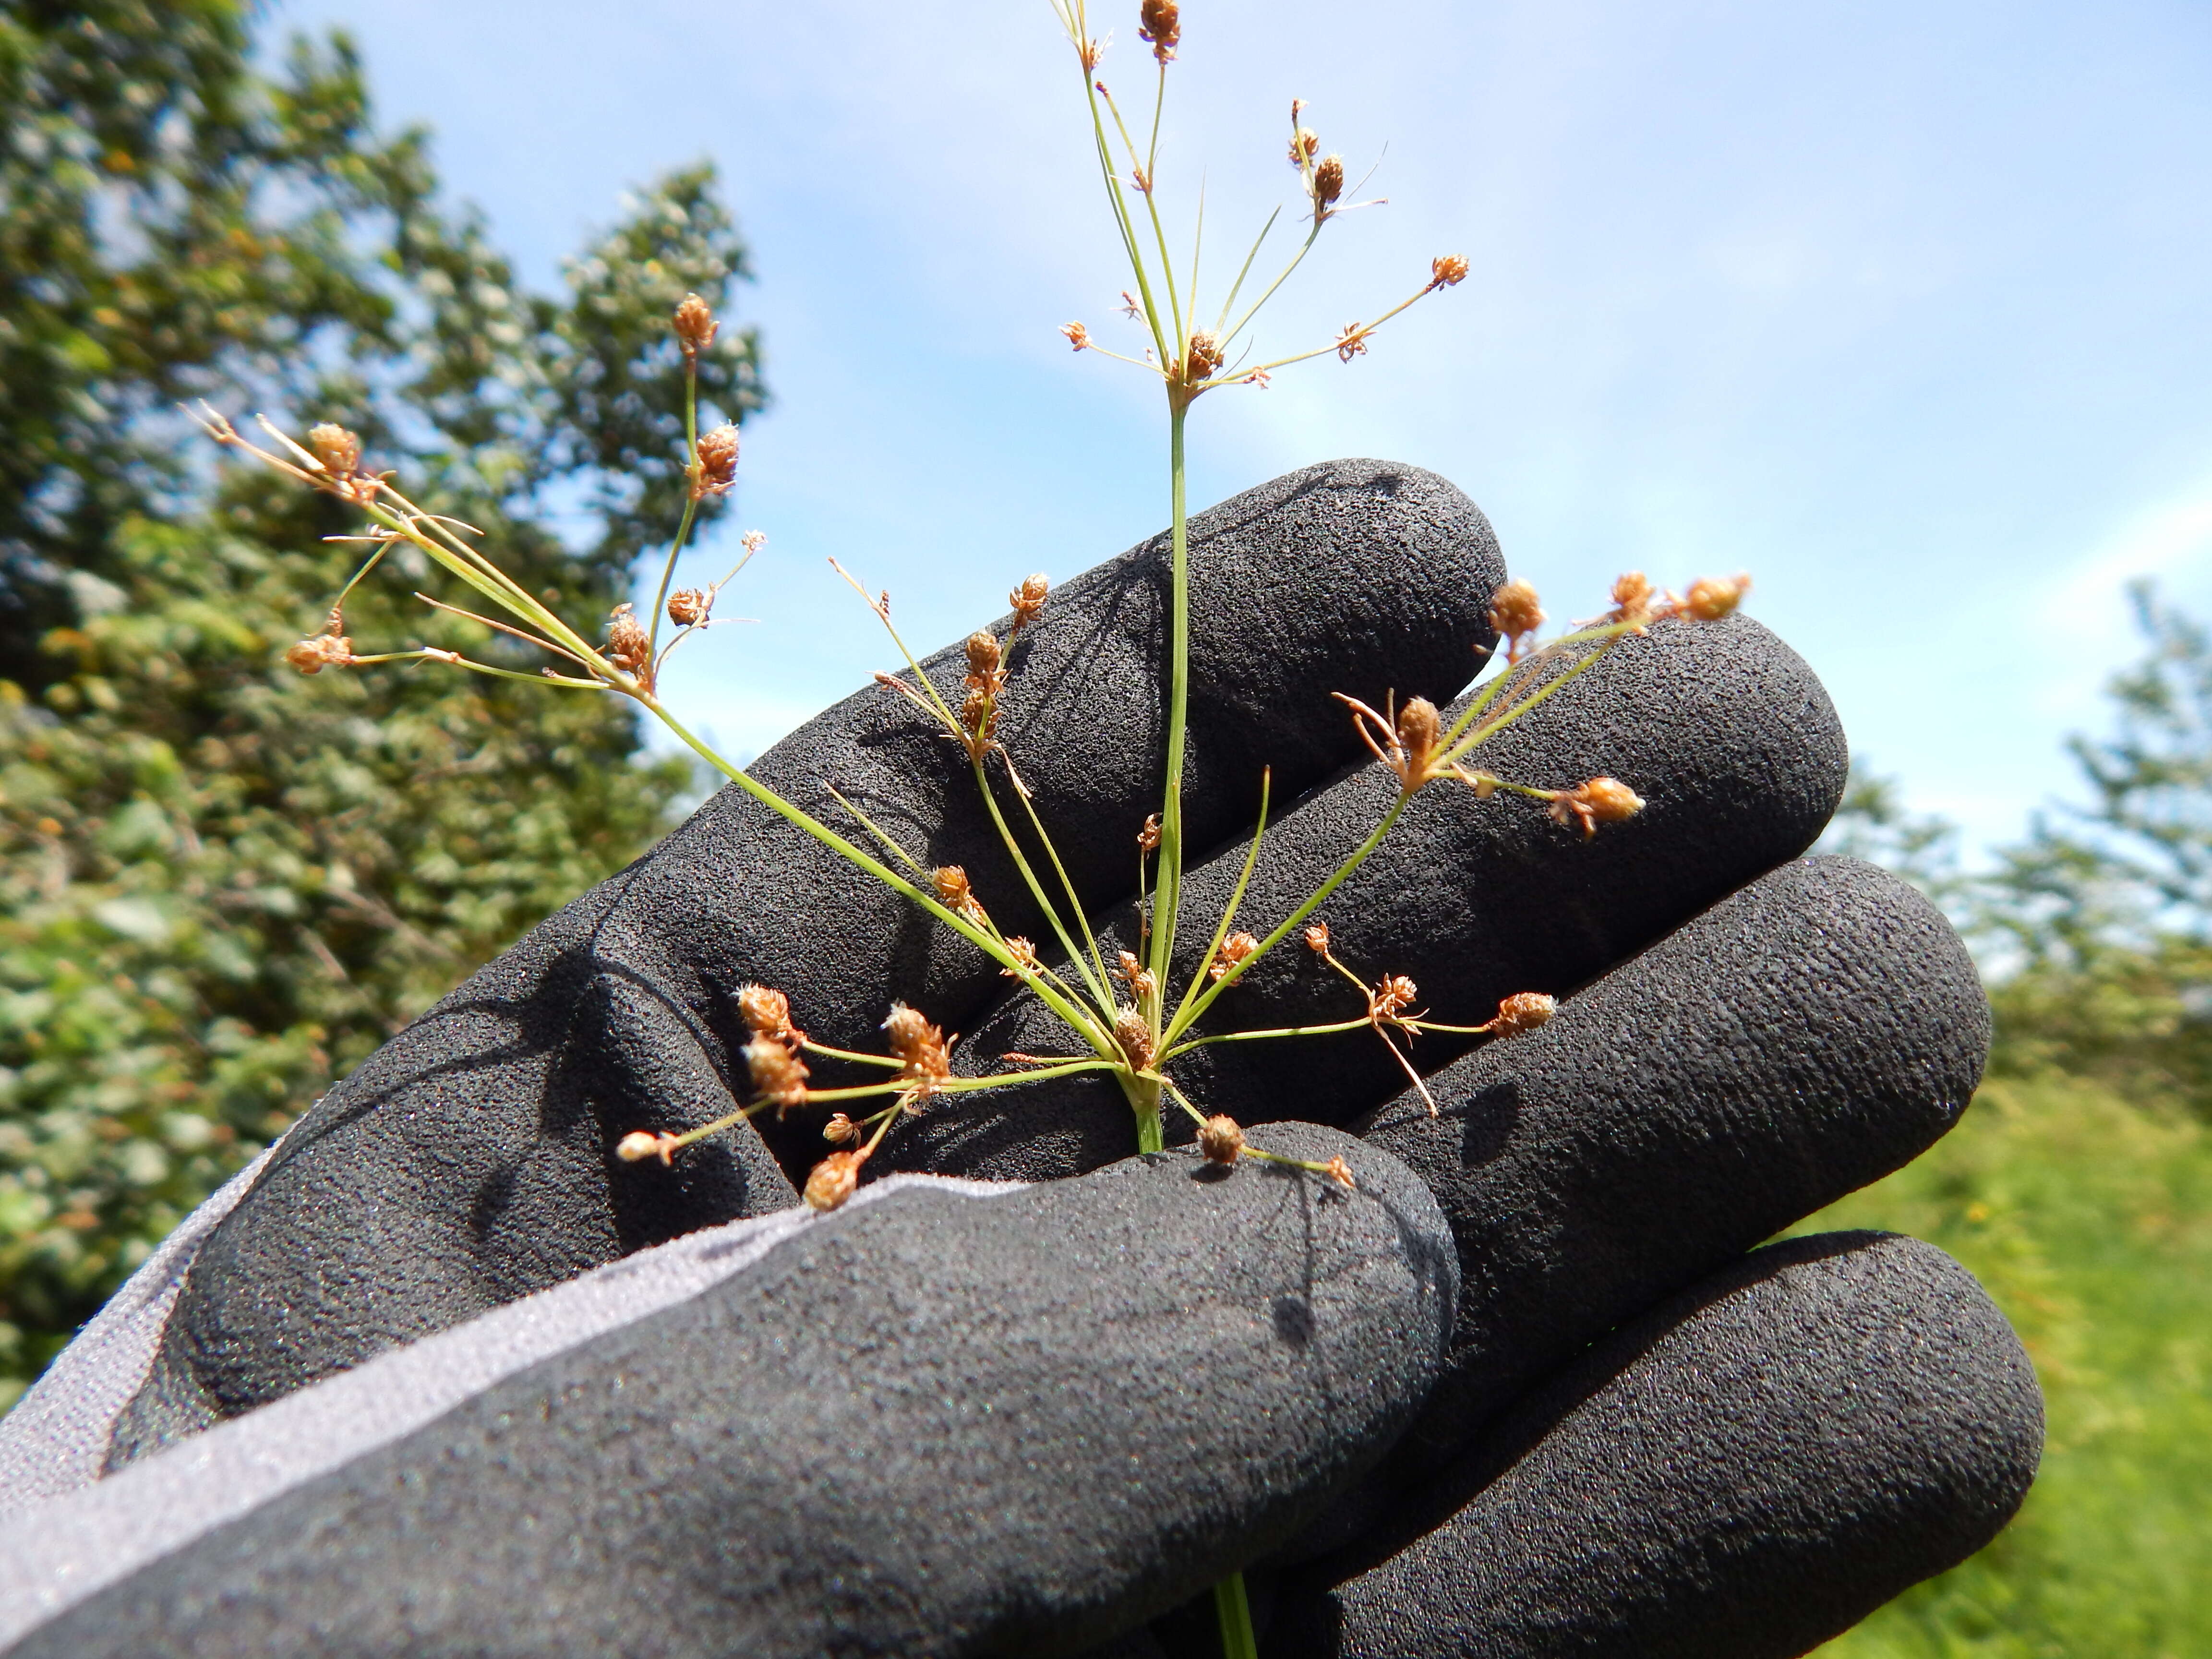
(944, 1423)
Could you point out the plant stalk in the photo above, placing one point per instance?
(1234, 1611)
(1168, 893)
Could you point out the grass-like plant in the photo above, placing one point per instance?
(1125, 1018)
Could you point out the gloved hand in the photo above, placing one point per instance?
(954, 1419)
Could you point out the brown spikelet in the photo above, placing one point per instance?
(1602, 800)
(639, 1145)
(1028, 599)
(1446, 269)
(766, 1012)
(833, 1180)
(1514, 610)
(1161, 28)
(338, 449)
(1712, 597)
(324, 651)
(1317, 938)
(695, 326)
(688, 606)
(1220, 1139)
(1234, 950)
(628, 646)
(1327, 184)
(920, 1045)
(717, 469)
(1524, 1010)
(779, 1076)
(1134, 1033)
(1393, 994)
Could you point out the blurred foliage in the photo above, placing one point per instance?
(2088, 1216)
(222, 884)
(2078, 1188)
(2095, 933)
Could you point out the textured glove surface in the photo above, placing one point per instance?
(924, 1445)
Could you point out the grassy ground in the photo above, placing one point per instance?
(2090, 1221)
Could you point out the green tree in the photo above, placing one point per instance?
(221, 883)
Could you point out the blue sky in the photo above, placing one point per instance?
(1901, 307)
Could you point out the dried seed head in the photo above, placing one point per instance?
(840, 1130)
(338, 449)
(1328, 182)
(919, 1044)
(1317, 938)
(1025, 958)
(954, 893)
(324, 651)
(1148, 838)
(833, 1180)
(779, 1076)
(977, 715)
(1340, 1172)
(639, 1145)
(1029, 598)
(1514, 610)
(1077, 336)
(695, 326)
(765, 1012)
(628, 644)
(1524, 1010)
(1162, 26)
(1418, 727)
(1602, 800)
(1393, 994)
(1142, 984)
(1220, 1139)
(752, 541)
(1234, 950)
(983, 654)
(1303, 143)
(1204, 355)
(1134, 1033)
(1633, 593)
(1712, 597)
(1447, 269)
(718, 463)
(688, 606)
(1352, 342)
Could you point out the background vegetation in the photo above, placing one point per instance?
(222, 884)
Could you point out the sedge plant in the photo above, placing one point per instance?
(1127, 1017)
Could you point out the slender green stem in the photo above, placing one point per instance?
(1196, 1010)
(1236, 894)
(1169, 890)
(1182, 1048)
(1066, 883)
(1234, 1611)
(1068, 1011)
(1244, 270)
(1099, 987)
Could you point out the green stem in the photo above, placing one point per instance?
(1076, 1019)
(1144, 1093)
(1237, 1641)
(1168, 892)
(1194, 1013)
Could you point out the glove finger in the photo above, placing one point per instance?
(1721, 728)
(1802, 1038)
(1742, 1474)
(470, 1161)
(838, 1449)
